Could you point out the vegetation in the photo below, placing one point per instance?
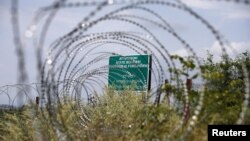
(126, 116)
(115, 117)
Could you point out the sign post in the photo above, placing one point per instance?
(132, 71)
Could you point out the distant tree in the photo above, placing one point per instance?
(225, 87)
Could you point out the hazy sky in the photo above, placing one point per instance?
(232, 20)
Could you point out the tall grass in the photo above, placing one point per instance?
(114, 116)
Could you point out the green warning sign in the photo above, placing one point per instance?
(130, 71)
